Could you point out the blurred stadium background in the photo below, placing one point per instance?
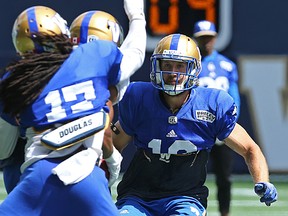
(255, 39)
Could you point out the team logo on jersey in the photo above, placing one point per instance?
(165, 157)
(172, 120)
(204, 115)
(171, 134)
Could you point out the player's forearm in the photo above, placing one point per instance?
(134, 45)
(257, 165)
(240, 141)
(120, 90)
(133, 49)
(136, 37)
(120, 138)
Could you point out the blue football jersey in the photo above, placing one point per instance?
(172, 149)
(79, 87)
(208, 114)
(221, 73)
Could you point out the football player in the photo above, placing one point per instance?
(13, 138)
(64, 108)
(218, 72)
(100, 25)
(174, 125)
(89, 26)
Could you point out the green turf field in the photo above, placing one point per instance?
(244, 201)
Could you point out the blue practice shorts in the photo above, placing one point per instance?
(40, 193)
(170, 206)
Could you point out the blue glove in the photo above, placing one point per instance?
(266, 191)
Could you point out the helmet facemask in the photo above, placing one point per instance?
(183, 80)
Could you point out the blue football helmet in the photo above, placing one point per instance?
(33, 20)
(94, 25)
(181, 50)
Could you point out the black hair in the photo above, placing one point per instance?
(28, 76)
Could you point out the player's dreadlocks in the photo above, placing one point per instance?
(29, 75)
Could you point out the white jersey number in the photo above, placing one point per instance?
(70, 94)
(220, 82)
(178, 145)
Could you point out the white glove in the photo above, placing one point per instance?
(114, 166)
(134, 9)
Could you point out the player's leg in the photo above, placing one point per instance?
(222, 167)
(183, 205)
(90, 196)
(39, 192)
(11, 176)
(11, 166)
(23, 200)
(132, 206)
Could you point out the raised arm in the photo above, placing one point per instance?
(134, 45)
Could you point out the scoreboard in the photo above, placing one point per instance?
(178, 16)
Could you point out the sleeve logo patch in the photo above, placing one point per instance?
(204, 115)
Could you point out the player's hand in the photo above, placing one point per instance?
(134, 9)
(266, 191)
(114, 166)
